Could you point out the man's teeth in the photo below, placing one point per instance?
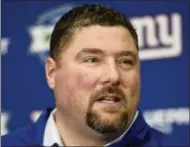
(109, 99)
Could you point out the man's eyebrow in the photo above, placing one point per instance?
(99, 51)
(127, 53)
(90, 51)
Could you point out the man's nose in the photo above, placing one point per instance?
(112, 75)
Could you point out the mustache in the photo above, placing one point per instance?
(114, 91)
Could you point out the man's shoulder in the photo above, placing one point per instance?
(17, 137)
(29, 135)
(156, 137)
(142, 134)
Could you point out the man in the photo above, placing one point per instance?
(94, 71)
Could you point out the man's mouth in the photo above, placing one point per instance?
(109, 99)
(109, 104)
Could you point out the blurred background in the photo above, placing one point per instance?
(163, 29)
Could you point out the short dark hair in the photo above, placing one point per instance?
(82, 16)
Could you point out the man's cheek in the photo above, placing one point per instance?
(132, 86)
(131, 79)
(85, 81)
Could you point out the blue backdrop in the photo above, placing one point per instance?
(163, 29)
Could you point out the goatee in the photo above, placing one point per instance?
(95, 119)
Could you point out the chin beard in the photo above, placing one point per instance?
(106, 126)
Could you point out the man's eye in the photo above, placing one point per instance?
(91, 60)
(126, 61)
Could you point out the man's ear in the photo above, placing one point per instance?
(50, 68)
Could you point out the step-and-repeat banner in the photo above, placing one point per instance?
(163, 29)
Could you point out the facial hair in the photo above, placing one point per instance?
(95, 120)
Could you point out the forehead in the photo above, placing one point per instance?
(108, 39)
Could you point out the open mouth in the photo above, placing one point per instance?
(109, 99)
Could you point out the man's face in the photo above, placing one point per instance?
(97, 83)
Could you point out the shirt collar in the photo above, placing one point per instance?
(52, 136)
